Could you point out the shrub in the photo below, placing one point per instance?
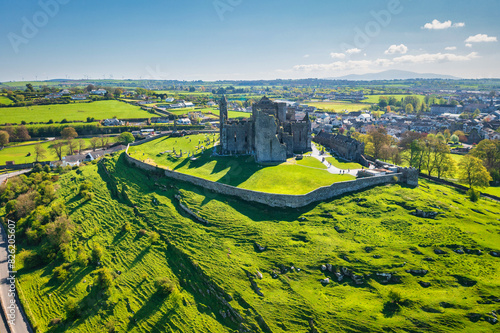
(72, 308)
(153, 237)
(97, 252)
(142, 232)
(127, 227)
(164, 286)
(60, 274)
(104, 278)
(473, 195)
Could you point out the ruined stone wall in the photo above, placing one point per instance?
(267, 146)
(237, 138)
(301, 137)
(270, 199)
(346, 147)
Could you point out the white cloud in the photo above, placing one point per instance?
(450, 48)
(434, 57)
(353, 51)
(307, 56)
(468, 45)
(393, 49)
(481, 38)
(383, 62)
(437, 25)
(337, 55)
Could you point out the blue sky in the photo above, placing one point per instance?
(246, 39)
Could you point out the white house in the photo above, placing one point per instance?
(364, 118)
(184, 121)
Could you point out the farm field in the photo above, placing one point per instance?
(74, 111)
(214, 111)
(293, 177)
(374, 99)
(19, 154)
(218, 267)
(339, 106)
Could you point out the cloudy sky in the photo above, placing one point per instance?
(246, 39)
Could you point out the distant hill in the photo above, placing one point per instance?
(395, 75)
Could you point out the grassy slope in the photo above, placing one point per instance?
(305, 238)
(74, 111)
(19, 153)
(287, 178)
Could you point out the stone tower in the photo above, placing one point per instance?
(223, 115)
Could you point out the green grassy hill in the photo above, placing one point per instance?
(221, 281)
(291, 177)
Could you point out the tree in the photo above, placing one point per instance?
(40, 152)
(126, 138)
(60, 231)
(104, 141)
(378, 136)
(409, 108)
(57, 147)
(22, 133)
(81, 145)
(71, 144)
(69, 133)
(94, 142)
(455, 139)
(473, 173)
(4, 138)
(29, 87)
(489, 152)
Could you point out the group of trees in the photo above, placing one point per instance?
(430, 153)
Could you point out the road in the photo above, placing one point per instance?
(332, 169)
(20, 323)
(12, 174)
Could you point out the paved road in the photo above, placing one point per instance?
(12, 174)
(332, 169)
(20, 324)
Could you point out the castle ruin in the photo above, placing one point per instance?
(272, 134)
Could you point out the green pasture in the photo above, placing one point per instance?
(71, 112)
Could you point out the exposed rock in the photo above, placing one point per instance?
(439, 251)
(259, 248)
(325, 281)
(323, 267)
(376, 256)
(339, 230)
(429, 259)
(424, 214)
(424, 284)
(495, 254)
(446, 305)
(459, 251)
(417, 271)
(369, 249)
(474, 317)
(329, 267)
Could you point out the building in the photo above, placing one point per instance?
(272, 134)
(445, 108)
(345, 146)
(101, 92)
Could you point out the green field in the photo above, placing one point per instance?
(214, 111)
(19, 154)
(74, 111)
(5, 100)
(341, 164)
(288, 178)
(214, 266)
(374, 99)
(338, 106)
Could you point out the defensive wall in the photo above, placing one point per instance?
(405, 175)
